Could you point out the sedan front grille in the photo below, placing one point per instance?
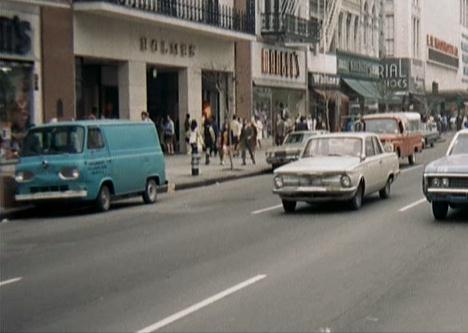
(459, 183)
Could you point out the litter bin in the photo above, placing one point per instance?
(195, 164)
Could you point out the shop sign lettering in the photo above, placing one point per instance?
(164, 47)
(356, 67)
(324, 80)
(442, 46)
(280, 63)
(15, 36)
(395, 75)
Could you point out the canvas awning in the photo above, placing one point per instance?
(366, 89)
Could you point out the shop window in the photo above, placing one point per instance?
(16, 106)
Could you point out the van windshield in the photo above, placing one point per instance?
(54, 140)
(382, 126)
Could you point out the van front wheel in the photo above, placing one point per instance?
(151, 192)
(103, 199)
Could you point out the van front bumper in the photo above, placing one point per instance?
(52, 195)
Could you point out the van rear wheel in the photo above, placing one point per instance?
(151, 192)
(103, 199)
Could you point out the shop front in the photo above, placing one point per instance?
(20, 98)
(360, 81)
(279, 86)
(125, 67)
(403, 85)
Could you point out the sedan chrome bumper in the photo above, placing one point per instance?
(315, 193)
(52, 195)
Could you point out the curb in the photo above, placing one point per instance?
(212, 181)
(6, 214)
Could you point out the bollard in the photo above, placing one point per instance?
(195, 164)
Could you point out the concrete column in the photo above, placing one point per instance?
(132, 90)
(190, 99)
(243, 75)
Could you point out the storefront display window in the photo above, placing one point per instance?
(16, 106)
(271, 104)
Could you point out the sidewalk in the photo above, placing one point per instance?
(179, 170)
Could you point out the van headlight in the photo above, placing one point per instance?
(278, 182)
(69, 173)
(24, 176)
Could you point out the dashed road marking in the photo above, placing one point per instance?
(181, 314)
(3, 283)
(414, 204)
(417, 167)
(264, 210)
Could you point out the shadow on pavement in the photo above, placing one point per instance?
(61, 210)
(328, 208)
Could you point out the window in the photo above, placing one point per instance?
(369, 148)
(377, 146)
(95, 139)
(390, 35)
(54, 140)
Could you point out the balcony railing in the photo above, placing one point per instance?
(290, 28)
(208, 12)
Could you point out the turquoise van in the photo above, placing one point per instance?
(90, 161)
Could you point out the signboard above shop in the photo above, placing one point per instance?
(281, 67)
(402, 75)
(324, 81)
(357, 67)
(443, 53)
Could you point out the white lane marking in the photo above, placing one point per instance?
(200, 305)
(260, 211)
(3, 283)
(414, 204)
(412, 168)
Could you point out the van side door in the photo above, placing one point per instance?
(97, 157)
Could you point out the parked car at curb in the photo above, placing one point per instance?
(401, 130)
(337, 167)
(445, 181)
(430, 134)
(90, 161)
(291, 149)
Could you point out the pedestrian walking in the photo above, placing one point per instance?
(209, 139)
(195, 139)
(247, 142)
(169, 132)
(224, 145)
(187, 128)
(145, 117)
(280, 131)
(235, 130)
(302, 124)
(259, 125)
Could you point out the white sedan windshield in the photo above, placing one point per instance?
(334, 147)
(461, 145)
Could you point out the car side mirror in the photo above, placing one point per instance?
(363, 158)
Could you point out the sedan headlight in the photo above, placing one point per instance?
(278, 182)
(346, 181)
(24, 176)
(69, 174)
(445, 182)
(436, 182)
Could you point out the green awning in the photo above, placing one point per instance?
(366, 89)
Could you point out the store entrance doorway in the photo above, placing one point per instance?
(162, 84)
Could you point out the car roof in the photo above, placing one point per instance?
(406, 115)
(308, 132)
(92, 123)
(359, 135)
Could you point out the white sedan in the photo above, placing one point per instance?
(337, 167)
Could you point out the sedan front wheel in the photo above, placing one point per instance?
(289, 206)
(440, 209)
